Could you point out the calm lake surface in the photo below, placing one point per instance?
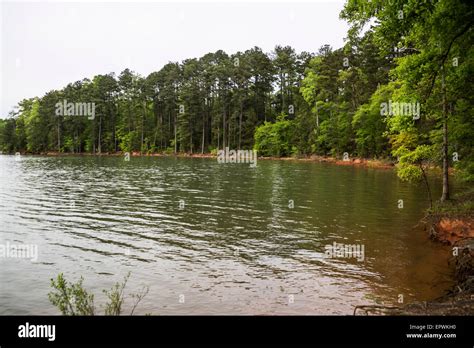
(236, 247)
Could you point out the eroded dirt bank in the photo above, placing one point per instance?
(452, 224)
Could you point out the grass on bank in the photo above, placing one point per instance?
(461, 205)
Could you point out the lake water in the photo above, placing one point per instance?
(211, 238)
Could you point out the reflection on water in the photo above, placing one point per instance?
(243, 240)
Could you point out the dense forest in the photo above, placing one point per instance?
(285, 103)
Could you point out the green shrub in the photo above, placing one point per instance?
(73, 299)
(274, 139)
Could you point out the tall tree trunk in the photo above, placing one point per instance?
(162, 131)
(282, 82)
(168, 134)
(175, 137)
(100, 134)
(114, 135)
(59, 135)
(129, 117)
(240, 123)
(76, 145)
(143, 121)
(191, 137)
(445, 194)
(93, 136)
(229, 129)
(224, 130)
(317, 116)
(425, 178)
(203, 134)
(157, 122)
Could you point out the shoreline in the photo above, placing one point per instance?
(450, 224)
(355, 161)
(383, 163)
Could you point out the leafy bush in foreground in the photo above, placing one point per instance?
(73, 299)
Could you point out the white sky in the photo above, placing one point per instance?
(46, 45)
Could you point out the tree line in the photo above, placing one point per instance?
(194, 106)
(286, 103)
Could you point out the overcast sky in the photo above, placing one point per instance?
(46, 45)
